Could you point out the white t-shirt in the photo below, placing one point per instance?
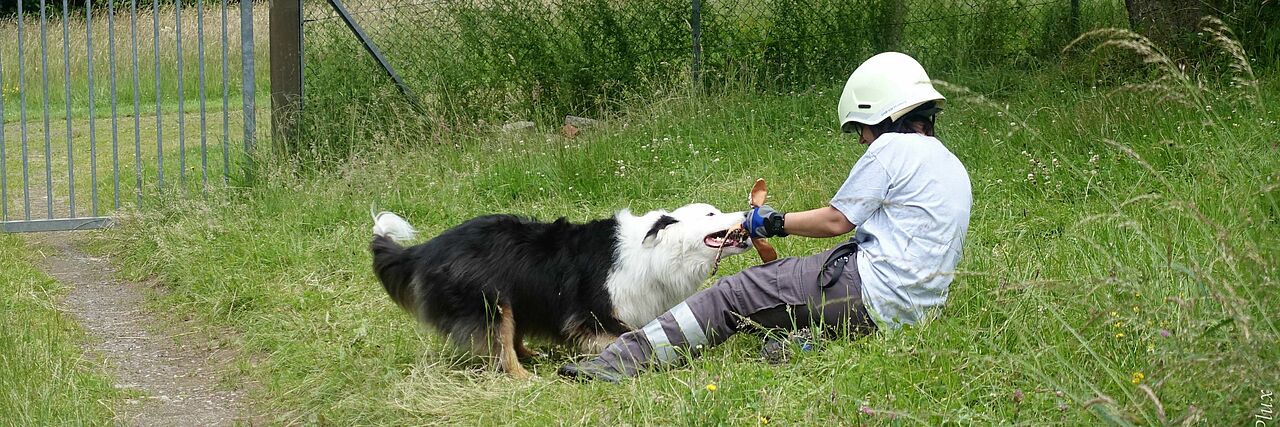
(910, 199)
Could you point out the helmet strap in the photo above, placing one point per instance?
(925, 114)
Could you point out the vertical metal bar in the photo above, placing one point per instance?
(182, 128)
(93, 133)
(247, 75)
(137, 94)
(695, 23)
(66, 98)
(204, 155)
(115, 133)
(226, 154)
(44, 76)
(4, 153)
(155, 40)
(22, 114)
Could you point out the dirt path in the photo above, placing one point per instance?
(174, 367)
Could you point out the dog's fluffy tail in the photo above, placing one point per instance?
(390, 262)
(391, 225)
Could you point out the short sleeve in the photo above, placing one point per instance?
(863, 191)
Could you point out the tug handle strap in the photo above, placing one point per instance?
(758, 193)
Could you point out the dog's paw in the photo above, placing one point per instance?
(520, 374)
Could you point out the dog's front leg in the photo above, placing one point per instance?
(508, 359)
(595, 343)
(522, 352)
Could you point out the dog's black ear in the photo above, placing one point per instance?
(652, 236)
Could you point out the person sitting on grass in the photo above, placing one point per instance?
(908, 197)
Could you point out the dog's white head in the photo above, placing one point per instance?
(699, 228)
(664, 256)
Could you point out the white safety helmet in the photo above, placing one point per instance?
(888, 85)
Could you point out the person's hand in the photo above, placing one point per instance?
(764, 221)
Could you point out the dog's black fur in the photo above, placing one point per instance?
(551, 275)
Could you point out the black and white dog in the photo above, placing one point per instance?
(495, 279)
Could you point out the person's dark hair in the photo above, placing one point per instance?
(922, 117)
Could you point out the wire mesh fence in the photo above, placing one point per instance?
(471, 61)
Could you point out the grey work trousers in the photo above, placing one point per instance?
(788, 293)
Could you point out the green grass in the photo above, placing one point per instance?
(1129, 278)
(1103, 221)
(44, 377)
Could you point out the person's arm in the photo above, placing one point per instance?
(820, 222)
(764, 221)
(859, 197)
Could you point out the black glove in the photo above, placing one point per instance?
(764, 221)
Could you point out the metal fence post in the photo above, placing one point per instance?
(4, 157)
(182, 113)
(246, 77)
(137, 124)
(695, 22)
(204, 131)
(22, 115)
(66, 96)
(93, 134)
(115, 131)
(155, 34)
(44, 83)
(226, 99)
(286, 69)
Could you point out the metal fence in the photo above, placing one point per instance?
(129, 74)
(498, 59)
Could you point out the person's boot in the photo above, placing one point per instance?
(591, 370)
(777, 348)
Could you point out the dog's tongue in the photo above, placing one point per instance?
(716, 241)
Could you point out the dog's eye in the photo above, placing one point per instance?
(711, 214)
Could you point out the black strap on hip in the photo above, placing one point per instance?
(836, 262)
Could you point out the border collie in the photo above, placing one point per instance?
(491, 281)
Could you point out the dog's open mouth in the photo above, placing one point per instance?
(727, 238)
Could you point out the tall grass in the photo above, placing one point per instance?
(1120, 265)
(482, 64)
(45, 378)
(69, 57)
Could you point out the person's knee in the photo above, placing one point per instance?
(717, 308)
(781, 317)
(723, 292)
